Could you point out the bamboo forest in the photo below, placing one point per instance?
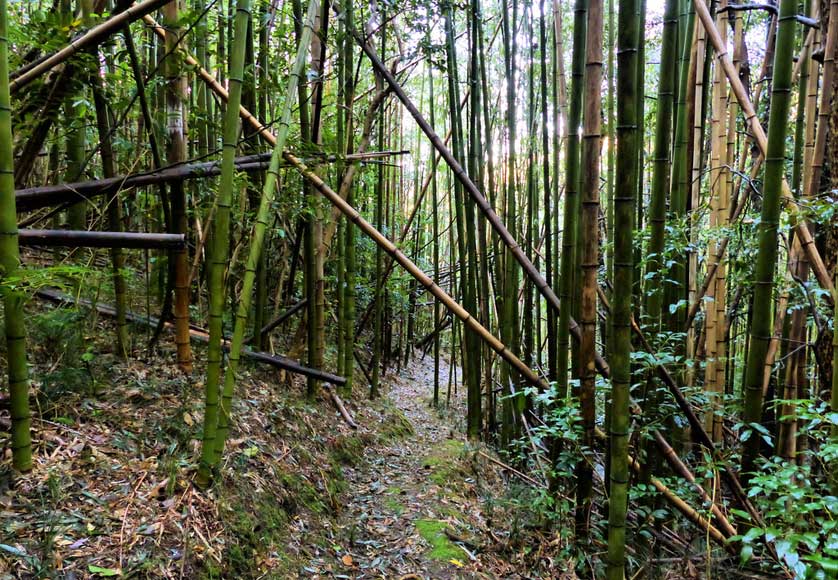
(419, 289)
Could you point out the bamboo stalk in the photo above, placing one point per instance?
(91, 38)
(629, 30)
(753, 123)
(824, 106)
(91, 239)
(775, 187)
(219, 248)
(589, 251)
(14, 317)
(258, 235)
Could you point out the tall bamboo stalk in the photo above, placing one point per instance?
(661, 164)
(760, 331)
(833, 399)
(677, 289)
(348, 82)
(589, 254)
(258, 234)
(571, 207)
(14, 317)
(628, 32)
(509, 314)
(547, 193)
(176, 101)
(378, 322)
(114, 212)
(219, 247)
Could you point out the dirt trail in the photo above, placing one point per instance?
(413, 510)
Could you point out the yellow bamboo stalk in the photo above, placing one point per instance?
(753, 123)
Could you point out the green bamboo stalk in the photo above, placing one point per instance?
(547, 197)
(76, 138)
(15, 320)
(379, 254)
(219, 246)
(340, 250)
(628, 39)
(571, 207)
(677, 291)
(833, 401)
(435, 218)
(258, 235)
(661, 168)
(114, 212)
(530, 236)
(348, 80)
(466, 239)
(760, 331)
(509, 314)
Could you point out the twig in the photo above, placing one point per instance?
(125, 514)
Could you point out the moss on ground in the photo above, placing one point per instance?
(347, 449)
(256, 523)
(442, 548)
(444, 462)
(395, 427)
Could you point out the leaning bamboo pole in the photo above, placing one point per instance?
(92, 37)
(761, 138)
(14, 318)
(392, 250)
(399, 257)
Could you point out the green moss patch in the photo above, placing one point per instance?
(444, 462)
(347, 449)
(442, 548)
(396, 426)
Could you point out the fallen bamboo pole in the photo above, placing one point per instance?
(33, 198)
(200, 335)
(761, 139)
(681, 469)
(85, 239)
(90, 38)
(284, 316)
(686, 509)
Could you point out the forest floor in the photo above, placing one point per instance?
(301, 494)
(425, 505)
